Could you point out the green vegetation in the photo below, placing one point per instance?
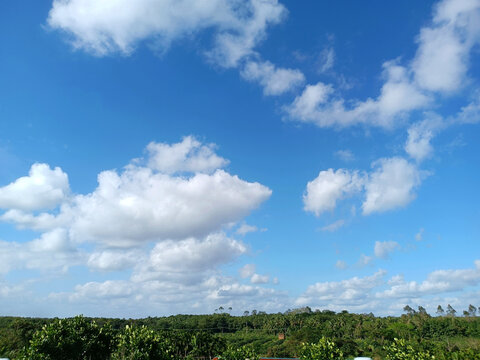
(299, 333)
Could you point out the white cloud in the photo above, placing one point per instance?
(183, 214)
(43, 188)
(328, 187)
(140, 205)
(420, 134)
(120, 25)
(52, 251)
(189, 155)
(247, 271)
(384, 248)
(259, 279)
(114, 259)
(275, 81)
(245, 228)
(391, 185)
(327, 59)
(441, 62)
(334, 226)
(345, 155)
(437, 282)
(351, 291)
(419, 235)
(318, 105)
(188, 260)
(364, 260)
(340, 264)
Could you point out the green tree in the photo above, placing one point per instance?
(324, 349)
(400, 350)
(141, 343)
(440, 311)
(242, 353)
(70, 339)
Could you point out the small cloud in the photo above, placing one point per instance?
(326, 60)
(364, 260)
(245, 229)
(342, 265)
(247, 271)
(259, 279)
(419, 235)
(334, 226)
(384, 248)
(345, 155)
(275, 281)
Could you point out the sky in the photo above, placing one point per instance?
(175, 156)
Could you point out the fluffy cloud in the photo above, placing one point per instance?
(189, 155)
(275, 81)
(135, 206)
(319, 105)
(43, 188)
(440, 65)
(328, 187)
(384, 248)
(188, 260)
(349, 291)
(437, 282)
(247, 271)
(441, 62)
(391, 185)
(120, 25)
(420, 134)
(52, 251)
(140, 205)
(388, 296)
(259, 279)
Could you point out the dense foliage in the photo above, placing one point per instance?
(447, 337)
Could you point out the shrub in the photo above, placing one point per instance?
(324, 349)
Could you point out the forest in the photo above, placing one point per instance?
(300, 333)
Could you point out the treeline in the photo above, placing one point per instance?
(447, 337)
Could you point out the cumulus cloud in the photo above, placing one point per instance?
(348, 291)
(318, 104)
(441, 62)
(183, 212)
(120, 26)
(247, 271)
(187, 260)
(43, 188)
(384, 248)
(420, 134)
(52, 251)
(383, 295)
(189, 155)
(437, 282)
(259, 279)
(440, 65)
(328, 187)
(275, 81)
(391, 185)
(245, 228)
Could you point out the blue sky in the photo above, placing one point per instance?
(176, 156)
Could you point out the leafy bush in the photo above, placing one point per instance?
(401, 350)
(324, 349)
(241, 353)
(70, 339)
(140, 343)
